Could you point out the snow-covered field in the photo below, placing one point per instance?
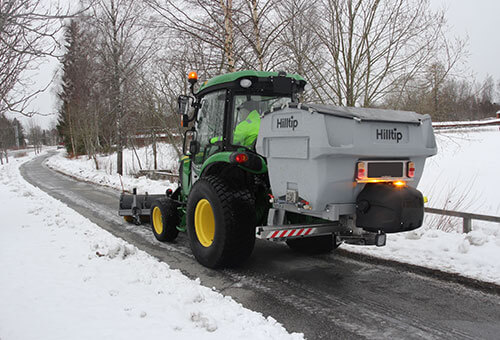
(464, 175)
(63, 277)
(461, 177)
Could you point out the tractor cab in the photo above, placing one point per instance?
(226, 115)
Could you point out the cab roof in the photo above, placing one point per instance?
(230, 77)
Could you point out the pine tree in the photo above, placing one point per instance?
(75, 92)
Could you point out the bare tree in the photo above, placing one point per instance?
(28, 33)
(125, 44)
(497, 92)
(488, 90)
(35, 134)
(299, 42)
(371, 45)
(259, 27)
(210, 23)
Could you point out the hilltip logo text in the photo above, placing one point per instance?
(388, 134)
(287, 123)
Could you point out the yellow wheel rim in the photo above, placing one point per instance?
(157, 220)
(204, 223)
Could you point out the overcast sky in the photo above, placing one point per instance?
(477, 19)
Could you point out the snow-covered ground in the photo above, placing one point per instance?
(63, 277)
(463, 176)
(84, 168)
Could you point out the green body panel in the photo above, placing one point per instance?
(224, 158)
(215, 158)
(185, 177)
(230, 77)
(182, 214)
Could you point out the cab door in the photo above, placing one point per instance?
(209, 129)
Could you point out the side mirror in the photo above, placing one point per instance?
(183, 102)
(183, 109)
(190, 139)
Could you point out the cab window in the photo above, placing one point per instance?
(246, 116)
(210, 123)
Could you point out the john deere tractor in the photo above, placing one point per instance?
(259, 164)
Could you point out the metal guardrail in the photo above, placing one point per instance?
(467, 217)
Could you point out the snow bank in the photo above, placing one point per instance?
(474, 255)
(62, 277)
(84, 168)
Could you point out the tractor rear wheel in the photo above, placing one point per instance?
(312, 245)
(164, 218)
(220, 222)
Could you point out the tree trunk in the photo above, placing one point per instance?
(137, 156)
(96, 162)
(227, 7)
(155, 151)
(256, 31)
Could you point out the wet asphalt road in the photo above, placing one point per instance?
(325, 297)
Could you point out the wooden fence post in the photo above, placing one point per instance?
(467, 225)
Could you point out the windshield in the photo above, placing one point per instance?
(246, 116)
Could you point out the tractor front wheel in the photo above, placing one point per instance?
(164, 218)
(220, 223)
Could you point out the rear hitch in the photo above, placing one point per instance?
(365, 239)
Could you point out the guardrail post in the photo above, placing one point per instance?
(467, 225)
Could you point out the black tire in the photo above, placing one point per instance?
(225, 233)
(312, 245)
(164, 218)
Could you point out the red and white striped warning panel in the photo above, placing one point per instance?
(280, 232)
(289, 233)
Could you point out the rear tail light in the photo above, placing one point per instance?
(361, 171)
(241, 158)
(411, 170)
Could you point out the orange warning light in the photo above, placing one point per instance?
(193, 76)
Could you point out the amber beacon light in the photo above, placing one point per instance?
(192, 77)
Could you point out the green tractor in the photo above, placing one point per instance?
(257, 163)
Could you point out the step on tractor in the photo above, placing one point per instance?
(258, 163)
